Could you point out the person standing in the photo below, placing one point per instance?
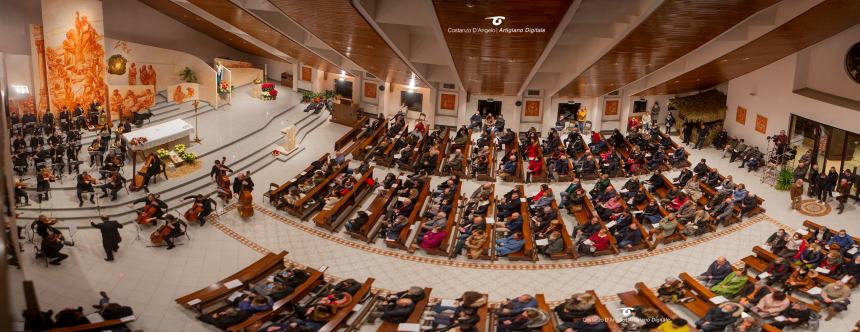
(110, 235)
(844, 189)
(796, 193)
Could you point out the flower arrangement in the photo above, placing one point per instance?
(162, 153)
(137, 140)
(188, 156)
(224, 88)
(179, 148)
(268, 90)
(275, 153)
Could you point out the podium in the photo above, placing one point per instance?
(346, 115)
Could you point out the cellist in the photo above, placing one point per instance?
(175, 225)
(85, 184)
(206, 204)
(153, 209)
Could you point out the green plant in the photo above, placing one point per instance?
(162, 153)
(784, 179)
(328, 94)
(188, 156)
(187, 75)
(179, 148)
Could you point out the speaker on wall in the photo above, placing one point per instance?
(381, 87)
(519, 103)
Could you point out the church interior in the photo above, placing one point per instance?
(430, 165)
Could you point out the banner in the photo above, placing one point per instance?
(75, 52)
(183, 92)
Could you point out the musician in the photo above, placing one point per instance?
(153, 199)
(48, 119)
(45, 226)
(39, 155)
(43, 184)
(36, 140)
(79, 116)
(85, 184)
(55, 138)
(153, 170)
(19, 144)
(218, 170)
(93, 112)
(241, 181)
(175, 230)
(114, 184)
(64, 118)
(110, 235)
(20, 193)
(51, 246)
(123, 127)
(95, 150)
(14, 119)
(206, 202)
(72, 155)
(29, 119)
(21, 162)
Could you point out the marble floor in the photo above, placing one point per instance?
(148, 279)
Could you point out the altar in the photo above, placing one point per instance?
(161, 135)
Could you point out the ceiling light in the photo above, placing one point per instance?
(469, 4)
(724, 60)
(745, 59)
(410, 91)
(677, 81)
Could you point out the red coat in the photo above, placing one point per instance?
(600, 243)
(535, 166)
(432, 239)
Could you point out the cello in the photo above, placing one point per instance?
(145, 215)
(157, 237)
(138, 181)
(193, 213)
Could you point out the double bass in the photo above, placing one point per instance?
(246, 203)
(139, 177)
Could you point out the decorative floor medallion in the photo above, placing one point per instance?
(813, 208)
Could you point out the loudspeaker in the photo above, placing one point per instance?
(519, 103)
(381, 87)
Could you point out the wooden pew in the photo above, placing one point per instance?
(360, 150)
(376, 209)
(491, 165)
(764, 257)
(679, 232)
(518, 175)
(569, 250)
(613, 244)
(253, 322)
(489, 249)
(643, 296)
(386, 158)
(820, 228)
(527, 253)
(332, 219)
(443, 148)
(339, 319)
(621, 165)
(106, 325)
(604, 313)
(701, 296)
(301, 208)
(414, 317)
(215, 292)
(417, 151)
(350, 135)
(670, 150)
(275, 190)
(626, 150)
(413, 216)
(552, 324)
(444, 248)
(646, 235)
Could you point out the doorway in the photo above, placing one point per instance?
(489, 106)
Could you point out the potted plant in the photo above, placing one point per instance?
(785, 179)
(162, 153)
(187, 75)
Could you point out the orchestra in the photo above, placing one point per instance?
(153, 209)
(201, 208)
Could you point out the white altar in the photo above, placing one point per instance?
(171, 132)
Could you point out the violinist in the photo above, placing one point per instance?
(19, 144)
(48, 119)
(112, 163)
(206, 205)
(51, 246)
(152, 201)
(20, 193)
(95, 150)
(43, 184)
(55, 138)
(114, 184)
(110, 235)
(40, 155)
(79, 116)
(85, 185)
(72, 156)
(45, 226)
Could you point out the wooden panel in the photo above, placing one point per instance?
(338, 24)
(195, 22)
(497, 63)
(448, 101)
(741, 115)
(250, 24)
(820, 22)
(306, 73)
(532, 108)
(610, 107)
(668, 33)
(760, 123)
(370, 90)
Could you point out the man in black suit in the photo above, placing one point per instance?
(110, 235)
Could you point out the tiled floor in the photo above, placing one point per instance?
(148, 279)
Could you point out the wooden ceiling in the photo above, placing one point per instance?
(338, 24)
(668, 33)
(250, 24)
(822, 21)
(196, 22)
(497, 63)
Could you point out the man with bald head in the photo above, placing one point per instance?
(718, 270)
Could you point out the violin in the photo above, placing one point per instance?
(193, 213)
(89, 180)
(48, 175)
(94, 147)
(137, 181)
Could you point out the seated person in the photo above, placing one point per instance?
(433, 238)
(595, 243)
(674, 325)
(771, 305)
(396, 307)
(355, 224)
(797, 314)
(513, 307)
(70, 317)
(833, 298)
(589, 323)
(529, 319)
(225, 318)
(576, 307)
(717, 271)
(752, 293)
(731, 284)
(509, 245)
(717, 318)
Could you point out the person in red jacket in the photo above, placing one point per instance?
(535, 167)
(433, 238)
(597, 242)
